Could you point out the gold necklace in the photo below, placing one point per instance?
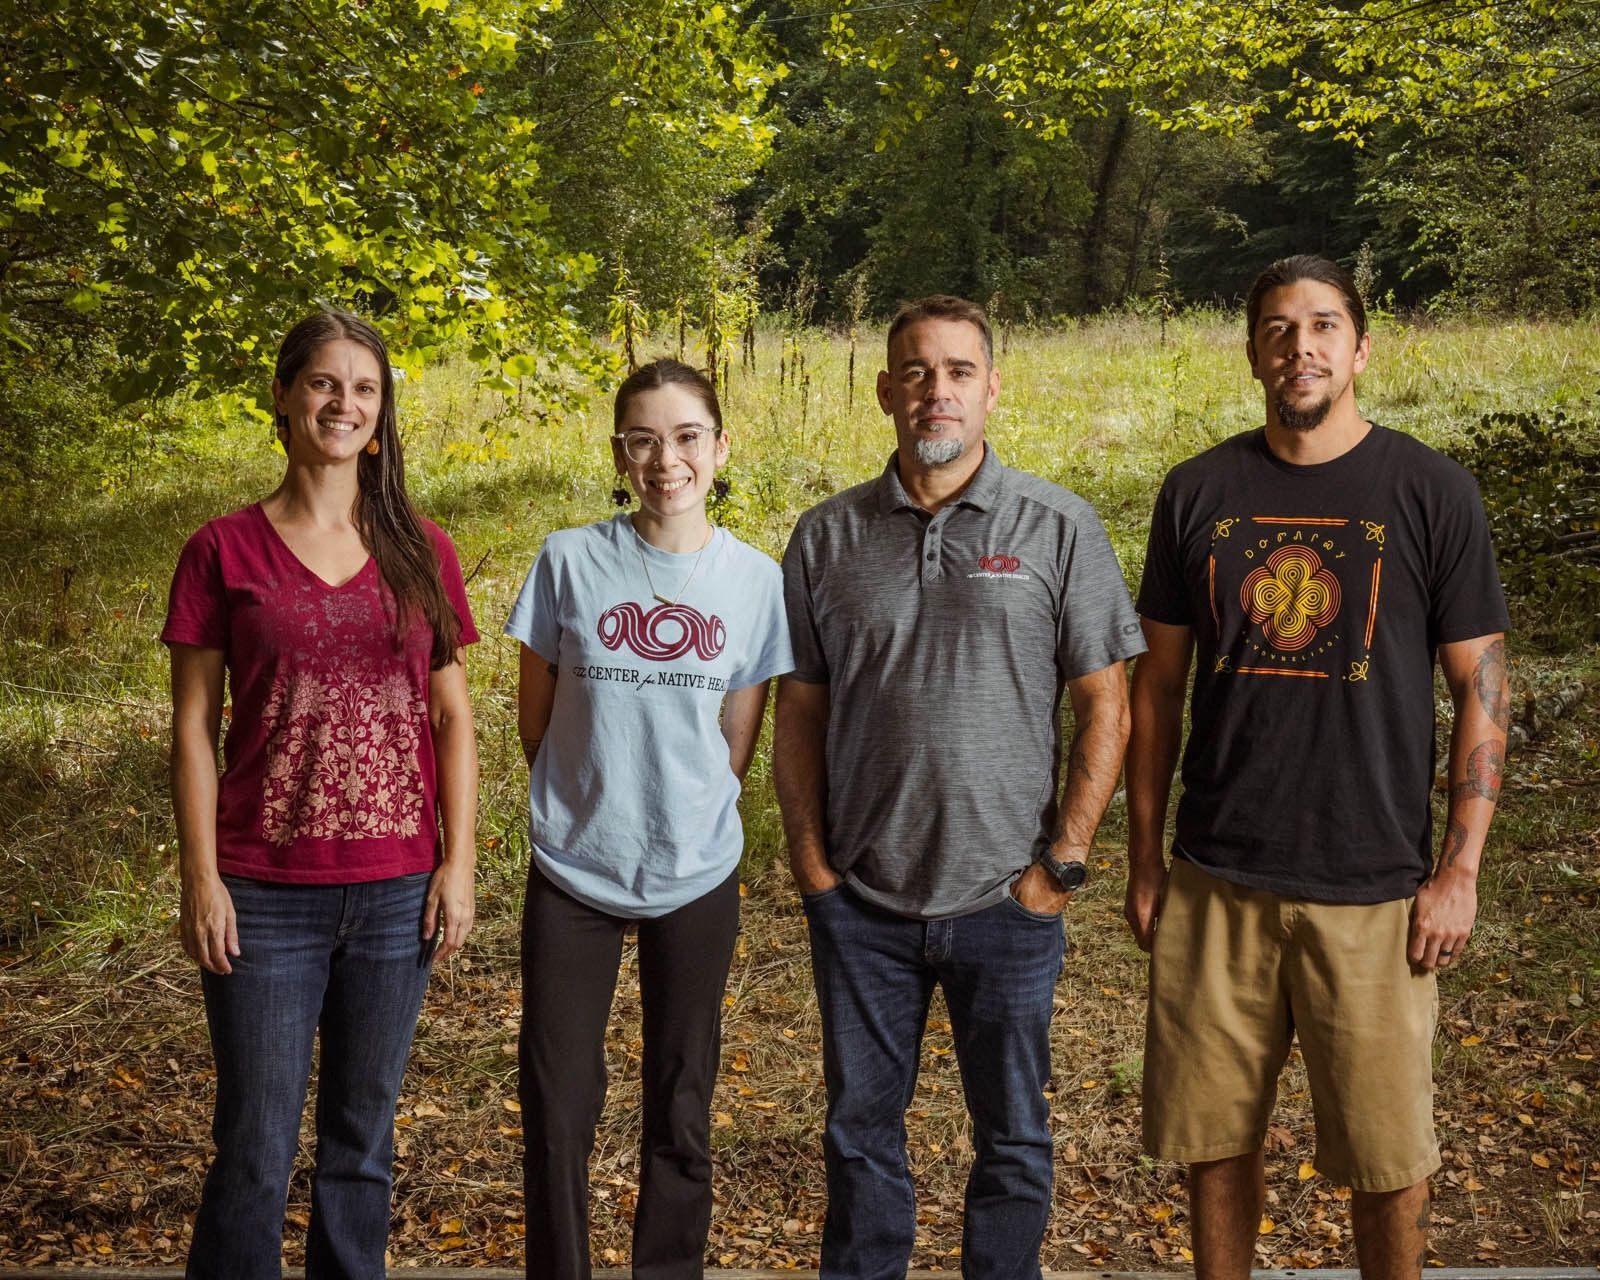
(638, 546)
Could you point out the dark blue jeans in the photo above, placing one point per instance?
(875, 974)
(346, 963)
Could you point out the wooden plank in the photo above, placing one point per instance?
(623, 1273)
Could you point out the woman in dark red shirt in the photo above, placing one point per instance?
(333, 860)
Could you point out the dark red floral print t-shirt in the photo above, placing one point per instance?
(328, 765)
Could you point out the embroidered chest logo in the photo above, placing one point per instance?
(1003, 566)
(665, 633)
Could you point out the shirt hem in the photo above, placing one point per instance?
(1297, 889)
(698, 886)
(887, 902)
(331, 875)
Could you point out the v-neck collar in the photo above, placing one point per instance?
(304, 568)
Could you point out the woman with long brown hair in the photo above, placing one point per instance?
(332, 862)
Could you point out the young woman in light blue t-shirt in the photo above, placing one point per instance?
(648, 641)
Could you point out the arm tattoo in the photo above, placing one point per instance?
(530, 749)
(1484, 768)
(1490, 681)
(1455, 840)
(1078, 762)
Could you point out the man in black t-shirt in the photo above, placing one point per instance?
(1312, 569)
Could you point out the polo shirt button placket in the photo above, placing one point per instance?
(930, 543)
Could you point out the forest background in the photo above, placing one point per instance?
(528, 197)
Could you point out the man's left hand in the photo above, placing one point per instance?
(1037, 890)
(1441, 919)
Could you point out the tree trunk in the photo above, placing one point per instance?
(1094, 234)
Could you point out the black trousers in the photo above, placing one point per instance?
(570, 957)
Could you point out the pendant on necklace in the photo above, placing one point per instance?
(670, 601)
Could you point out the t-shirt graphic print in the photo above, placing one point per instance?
(1301, 594)
(342, 755)
(664, 633)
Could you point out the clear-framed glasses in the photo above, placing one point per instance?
(644, 446)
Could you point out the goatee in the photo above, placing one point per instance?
(937, 452)
(1298, 419)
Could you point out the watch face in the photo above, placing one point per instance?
(1072, 874)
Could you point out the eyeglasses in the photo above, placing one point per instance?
(645, 446)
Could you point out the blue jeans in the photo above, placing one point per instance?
(348, 963)
(875, 973)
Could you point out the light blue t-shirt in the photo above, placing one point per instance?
(632, 803)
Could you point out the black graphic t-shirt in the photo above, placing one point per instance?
(1317, 596)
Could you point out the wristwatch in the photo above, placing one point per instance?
(1069, 875)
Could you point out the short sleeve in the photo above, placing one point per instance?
(1097, 626)
(770, 652)
(455, 588)
(197, 604)
(1163, 594)
(1466, 599)
(534, 619)
(810, 662)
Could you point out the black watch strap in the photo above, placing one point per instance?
(1069, 875)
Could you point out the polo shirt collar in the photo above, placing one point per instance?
(982, 491)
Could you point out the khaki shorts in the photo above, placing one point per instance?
(1235, 974)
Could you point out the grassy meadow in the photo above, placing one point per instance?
(104, 1069)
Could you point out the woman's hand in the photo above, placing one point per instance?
(450, 906)
(447, 913)
(206, 924)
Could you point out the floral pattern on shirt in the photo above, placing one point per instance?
(342, 756)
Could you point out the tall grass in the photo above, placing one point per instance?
(86, 842)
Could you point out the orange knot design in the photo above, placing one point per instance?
(1291, 596)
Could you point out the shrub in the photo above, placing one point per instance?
(1540, 478)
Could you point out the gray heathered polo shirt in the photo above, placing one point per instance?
(945, 641)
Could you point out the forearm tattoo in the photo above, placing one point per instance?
(1455, 840)
(1484, 769)
(1489, 679)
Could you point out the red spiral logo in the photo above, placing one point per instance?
(999, 564)
(668, 631)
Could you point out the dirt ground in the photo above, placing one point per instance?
(106, 1085)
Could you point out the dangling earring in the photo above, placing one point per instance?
(720, 489)
(373, 446)
(621, 496)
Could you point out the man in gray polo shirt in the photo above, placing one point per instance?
(937, 613)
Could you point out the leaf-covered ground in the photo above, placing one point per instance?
(106, 1084)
